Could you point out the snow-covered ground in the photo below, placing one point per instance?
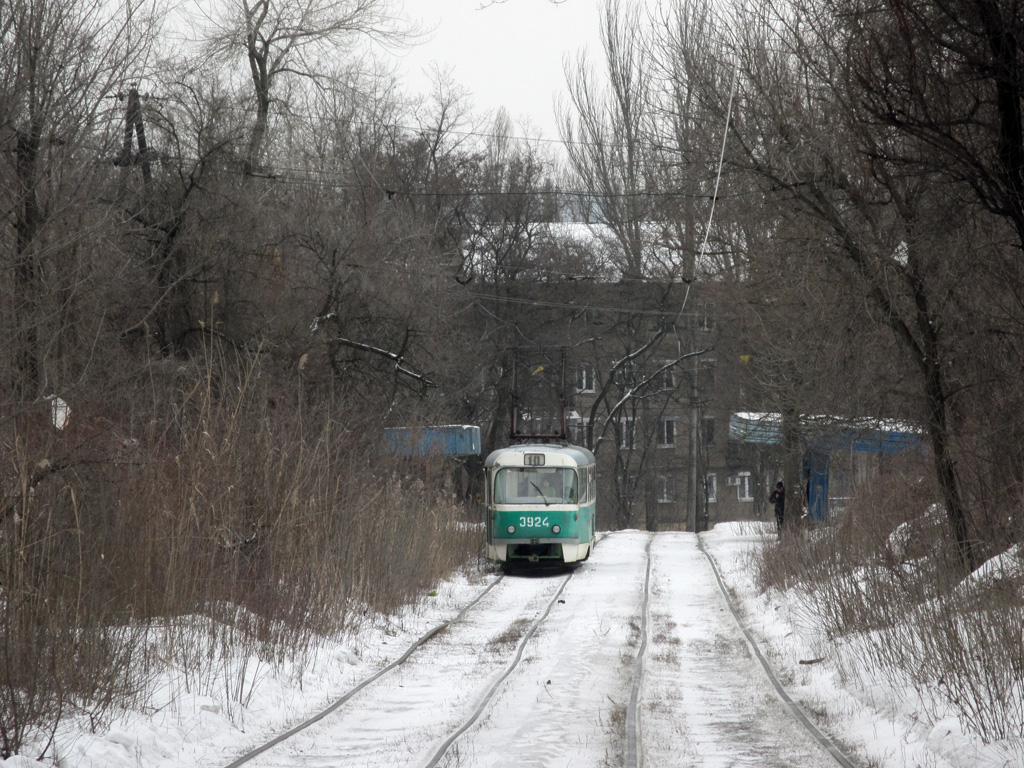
(705, 699)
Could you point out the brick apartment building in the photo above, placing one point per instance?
(653, 374)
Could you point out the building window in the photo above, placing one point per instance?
(709, 430)
(667, 377)
(666, 487)
(625, 373)
(627, 434)
(705, 322)
(667, 433)
(711, 487)
(745, 487)
(707, 370)
(585, 378)
(582, 432)
(628, 484)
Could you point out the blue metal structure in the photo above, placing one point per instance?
(816, 476)
(422, 442)
(868, 436)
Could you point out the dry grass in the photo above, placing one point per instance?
(509, 637)
(210, 526)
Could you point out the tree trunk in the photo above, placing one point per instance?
(261, 86)
(27, 223)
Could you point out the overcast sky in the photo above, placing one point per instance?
(506, 53)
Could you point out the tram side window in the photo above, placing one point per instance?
(507, 486)
(571, 487)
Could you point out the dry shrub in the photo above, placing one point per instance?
(882, 580)
(208, 522)
(65, 647)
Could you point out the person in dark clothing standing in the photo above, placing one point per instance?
(778, 498)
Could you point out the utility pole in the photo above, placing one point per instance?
(134, 128)
(696, 483)
(791, 460)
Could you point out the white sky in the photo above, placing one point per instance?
(507, 54)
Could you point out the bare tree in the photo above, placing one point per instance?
(947, 81)
(638, 143)
(949, 77)
(60, 64)
(605, 130)
(278, 39)
(643, 359)
(874, 223)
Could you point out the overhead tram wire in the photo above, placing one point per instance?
(320, 179)
(314, 179)
(718, 173)
(418, 130)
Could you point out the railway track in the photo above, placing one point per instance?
(634, 732)
(492, 690)
(829, 746)
(583, 669)
(709, 695)
(251, 755)
(358, 728)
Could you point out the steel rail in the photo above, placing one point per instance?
(634, 738)
(485, 701)
(824, 741)
(368, 681)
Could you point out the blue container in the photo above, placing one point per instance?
(420, 442)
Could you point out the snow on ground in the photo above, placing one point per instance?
(880, 722)
(717, 708)
(697, 658)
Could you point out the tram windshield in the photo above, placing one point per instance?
(531, 485)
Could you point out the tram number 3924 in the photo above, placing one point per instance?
(533, 522)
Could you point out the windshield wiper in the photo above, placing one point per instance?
(546, 502)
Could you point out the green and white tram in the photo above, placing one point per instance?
(539, 504)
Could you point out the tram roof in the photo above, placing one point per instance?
(555, 455)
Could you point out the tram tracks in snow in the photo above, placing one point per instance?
(634, 755)
(344, 699)
(490, 690)
(529, 602)
(798, 714)
(488, 696)
(634, 733)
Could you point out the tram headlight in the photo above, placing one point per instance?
(556, 529)
(511, 529)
